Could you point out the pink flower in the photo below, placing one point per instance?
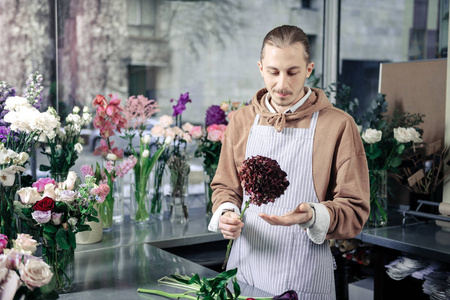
(104, 150)
(230, 114)
(3, 242)
(87, 170)
(42, 182)
(138, 109)
(127, 164)
(196, 132)
(101, 191)
(216, 132)
(109, 115)
(166, 121)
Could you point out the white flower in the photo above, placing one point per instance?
(111, 156)
(16, 103)
(29, 195)
(6, 155)
(10, 285)
(67, 196)
(168, 140)
(415, 135)
(76, 110)
(78, 147)
(49, 191)
(25, 243)
(146, 139)
(166, 121)
(157, 131)
(187, 127)
(35, 273)
(72, 221)
(70, 181)
(48, 150)
(7, 177)
(21, 158)
(359, 128)
(372, 136)
(145, 153)
(85, 110)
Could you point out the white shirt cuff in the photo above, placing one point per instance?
(318, 231)
(227, 206)
(311, 222)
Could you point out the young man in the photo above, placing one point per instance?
(281, 247)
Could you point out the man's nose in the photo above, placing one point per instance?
(282, 81)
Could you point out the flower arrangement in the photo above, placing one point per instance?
(22, 275)
(263, 180)
(108, 119)
(176, 158)
(137, 111)
(63, 149)
(56, 211)
(21, 127)
(385, 146)
(209, 288)
(209, 141)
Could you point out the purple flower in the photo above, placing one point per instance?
(42, 217)
(4, 133)
(181, 104)
(215, 115)
(289, 295)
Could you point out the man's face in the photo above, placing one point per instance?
(284, 71)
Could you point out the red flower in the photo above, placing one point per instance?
(262, 179)
(45, 204)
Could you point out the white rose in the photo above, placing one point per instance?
(29, 195)
(402, 135)
(67, 196)
(414, 135)
(72, 221)
(78, 147)
(25, 243)
(146, 139)
(145, 153)
(372, 136)
(49, 191)
(111, 156)
(70, 181)
(35, 273)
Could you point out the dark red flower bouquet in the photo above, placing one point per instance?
(263, 180)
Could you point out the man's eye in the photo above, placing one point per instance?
(273, 72)
(292, 74)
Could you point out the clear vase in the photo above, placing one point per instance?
(178, 195)
(208, 175)
(61, 262)
(118, 209)
(106, 208)
(140, 202)
(378, 198)
(157, 197)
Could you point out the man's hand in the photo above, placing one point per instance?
(302, 214)
(230, 225)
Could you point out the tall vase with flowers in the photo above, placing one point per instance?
(384, 149)
(57, 211)
(178, 162)
(137, 112)
(108, 119)
(64, 148)
(21, 127)
(22, 274)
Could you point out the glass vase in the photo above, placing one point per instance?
(61, 262)
(140, 201)
(118, 209)
(177, 197)
(157, 179)
(106, 208)
(208, 175)
(378, 198)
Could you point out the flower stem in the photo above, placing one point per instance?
(231, 241)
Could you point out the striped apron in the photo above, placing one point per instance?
(280, 258)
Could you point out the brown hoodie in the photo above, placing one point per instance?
(340, 173)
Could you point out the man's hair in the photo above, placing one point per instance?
(287, 35)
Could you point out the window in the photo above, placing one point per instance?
(141, 17)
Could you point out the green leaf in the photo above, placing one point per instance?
(62, 239)
(44, 168)
(395, 162)
(236, 288)
(400, 148)
(72, 239)
(50, 228)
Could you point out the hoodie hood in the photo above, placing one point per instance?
(315, 102)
